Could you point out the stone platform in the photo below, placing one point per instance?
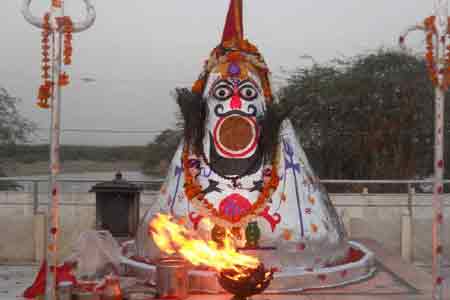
(394, 279)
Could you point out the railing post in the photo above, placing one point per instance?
(39, 236)
(407, 244)
(35, 197)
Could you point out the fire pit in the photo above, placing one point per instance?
(247, 283)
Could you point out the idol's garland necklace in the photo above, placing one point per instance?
(193, 191)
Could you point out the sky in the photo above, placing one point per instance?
(138, 51)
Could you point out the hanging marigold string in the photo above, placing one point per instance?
(430, 57)
(45, 90)
(56, 3)
(193, 191)
(65, 25)
(68, 30)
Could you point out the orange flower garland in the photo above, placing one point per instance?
(56, 3)
(65, 25)
(430, 58)
(68, 29)
(63, 79)
(193, 192)
(45, 90)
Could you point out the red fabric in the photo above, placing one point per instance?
(354, 255)
(234, 30)
(63, 273)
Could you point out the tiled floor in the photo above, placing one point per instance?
(14, 280)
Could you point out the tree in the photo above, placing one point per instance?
(13, 129)
(367, 117)
(159, 153)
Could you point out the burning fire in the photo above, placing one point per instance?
(173, 238)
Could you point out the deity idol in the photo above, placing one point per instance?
(240, 165)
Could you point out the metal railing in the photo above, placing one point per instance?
(407, 200)
(39, 186)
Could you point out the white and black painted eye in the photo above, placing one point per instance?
(248, 92)
(222, 92)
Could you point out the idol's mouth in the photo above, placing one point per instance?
(236, 135)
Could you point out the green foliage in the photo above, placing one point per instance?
(8, 185)
(13, 127)
(36, 153)
(159, 153)
(367, 117)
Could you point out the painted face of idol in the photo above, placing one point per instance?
(235, 103)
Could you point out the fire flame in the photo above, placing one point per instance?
(173, 238)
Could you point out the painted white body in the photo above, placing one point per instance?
(318, 236)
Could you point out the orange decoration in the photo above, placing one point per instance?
(430, 58)
(246, 46)
(234, 56)
(66, 25)
(45, 90)
(287, 235)
(234, 48)
(198, 86)
(63, 79)
(67, 29)
(56, 3)
(182, 221)
(193, 189)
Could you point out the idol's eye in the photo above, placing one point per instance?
(248, 92)
(222, 92)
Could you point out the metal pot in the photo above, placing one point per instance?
(172, 278)
(65, 290)
(85, 295)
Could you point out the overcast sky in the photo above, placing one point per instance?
(138, 51)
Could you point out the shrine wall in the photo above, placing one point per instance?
(375, 216)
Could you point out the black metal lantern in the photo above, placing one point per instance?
(117, 206)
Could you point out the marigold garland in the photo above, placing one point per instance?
(65, 25)
(45, 89)
(430, 57)
(193, 192)
(56, 3)
(68, 30)
(63, 79)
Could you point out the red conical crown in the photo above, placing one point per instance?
(234, 47)
(233, 33)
